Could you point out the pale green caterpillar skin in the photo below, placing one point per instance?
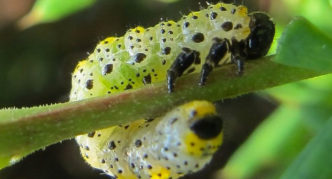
(181, 142)
(143, 56)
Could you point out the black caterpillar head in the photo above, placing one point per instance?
(262, 32)
(207, 127)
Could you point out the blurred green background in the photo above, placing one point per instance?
(41, 41)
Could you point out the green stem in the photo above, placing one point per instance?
(26, 130)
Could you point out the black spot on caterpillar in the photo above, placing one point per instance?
(178, 143)
(220, 34)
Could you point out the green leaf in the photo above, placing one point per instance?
(317, 12)
(52, 10)
(272, 145)
(304, 46)
(315, 160)
(315, 91)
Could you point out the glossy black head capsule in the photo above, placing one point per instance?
(262, 31)
(208, 127)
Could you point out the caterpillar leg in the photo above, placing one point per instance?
(239, 62)
(219, 49)
(238, 55)
(182, 62)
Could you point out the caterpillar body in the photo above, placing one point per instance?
(221, 33)
(178, 143)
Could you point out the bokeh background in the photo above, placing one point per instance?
(41, 42)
